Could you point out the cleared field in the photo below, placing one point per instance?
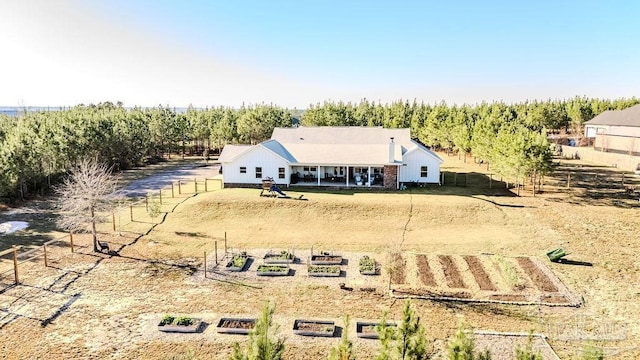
(89, 305)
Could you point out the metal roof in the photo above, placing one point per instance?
(330, 145)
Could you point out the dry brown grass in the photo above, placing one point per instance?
(120, 298)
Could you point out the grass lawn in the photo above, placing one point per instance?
(95, 306)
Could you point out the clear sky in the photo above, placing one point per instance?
(294, 53)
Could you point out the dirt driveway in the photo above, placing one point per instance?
(162, 178)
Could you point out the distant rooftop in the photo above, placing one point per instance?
(627, 117)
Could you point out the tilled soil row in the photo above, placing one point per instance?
(451, 272)
(541, 280)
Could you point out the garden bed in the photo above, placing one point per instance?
(368, 266)
(479, 273)
(235, 326)
(540, 279)
(179, 324)
(284, 257)
(424, 271)
(314, 328)
(367, 330)
(326, 259)
(451, 273)
(324, 270)
(237, 262)
(272, 270)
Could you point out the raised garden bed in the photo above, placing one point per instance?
(284, 257)
(367, 330)
(237, 262)
(314, 328)
(368, 266)
(235, 326)
(180, 324)
(324, 270)
(324, 259)
(272, 270)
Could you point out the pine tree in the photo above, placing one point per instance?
(263, 342)
(344, 351)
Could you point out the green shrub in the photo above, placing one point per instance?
(167, 320)
(184, 321)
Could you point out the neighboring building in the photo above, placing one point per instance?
(332, 156)
(616, 131)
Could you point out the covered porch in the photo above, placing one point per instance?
(338, 175)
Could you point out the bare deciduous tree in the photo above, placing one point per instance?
(89, 191)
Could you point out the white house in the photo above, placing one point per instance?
(332, 156)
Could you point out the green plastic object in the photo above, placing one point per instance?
(556, 254)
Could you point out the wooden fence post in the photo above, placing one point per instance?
(15, 265)
(113, 220)
(172, 195)
(179, 187)
(568, 180)
(215, 243)
(131, 212)
(44, 247)
(195, 184)
(71, 240)
(205, 185)
(160, 193)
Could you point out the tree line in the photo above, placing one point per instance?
(512, 138)
(37, 148)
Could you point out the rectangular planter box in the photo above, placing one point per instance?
(225, 326)
(314, 328)
(366, 330)
(366, 262)
(182, 329)
(277, 259)
(230, 266)
(283, 270)
(326, 260)
(324, 273)
(370, 272)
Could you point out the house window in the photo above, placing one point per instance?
(258, 173)
(243, 169)
(281, 173)
(423, 171)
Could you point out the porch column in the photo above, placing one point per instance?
(369, 177)
(318, 173)
(397, 177)
(346, 175)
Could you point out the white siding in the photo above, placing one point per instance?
(256, 157)
(411, 170)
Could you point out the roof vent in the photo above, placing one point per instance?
(392, 139)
